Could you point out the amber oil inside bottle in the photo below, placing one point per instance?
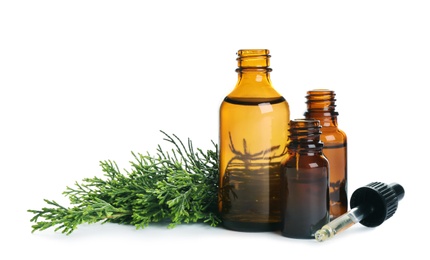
(321, 104)
(253, 140)
(305, 180)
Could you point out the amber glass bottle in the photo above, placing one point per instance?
(253, 140)
(305, 182)
(321, 106)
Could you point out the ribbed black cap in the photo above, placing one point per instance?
(383, 200)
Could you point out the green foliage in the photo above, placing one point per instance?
(179, 186)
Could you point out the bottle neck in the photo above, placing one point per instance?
(305, 136)
(254, 75)
(327, 119)
(321, 105)
(253, 58)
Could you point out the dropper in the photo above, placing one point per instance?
(371, 205)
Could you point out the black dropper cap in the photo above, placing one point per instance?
(381, 199)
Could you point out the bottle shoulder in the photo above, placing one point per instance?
(305, 160)
(254, 91)
(333, 135)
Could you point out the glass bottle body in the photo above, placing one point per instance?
(321, 106)
(253, 139)
(305, 182)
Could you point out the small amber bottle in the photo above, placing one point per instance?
(321, 106)
(305, 182)
(253, 141)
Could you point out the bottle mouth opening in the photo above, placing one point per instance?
(304, 123)
(304, 127)
(321, 91)
(253, 52)
(253, 59)
(321, 95)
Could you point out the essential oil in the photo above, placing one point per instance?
(321, 104)
(305, 182)
(253, 141)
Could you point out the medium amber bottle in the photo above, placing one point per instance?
(305, 182)
(253, 141)
(321, 104)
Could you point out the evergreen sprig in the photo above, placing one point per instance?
(177, 186)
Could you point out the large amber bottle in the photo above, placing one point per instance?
(253, 136)
(321, 104)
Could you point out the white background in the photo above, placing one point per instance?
(84, 81)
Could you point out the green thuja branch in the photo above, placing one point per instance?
(177, 186)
